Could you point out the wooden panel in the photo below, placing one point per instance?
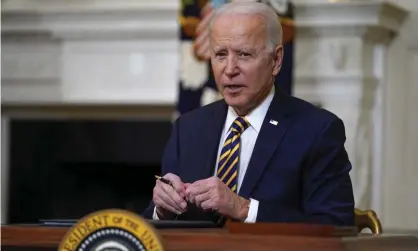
(312, 230)
(31, 236)
(213, 239)
(40, 238)
(381, 243)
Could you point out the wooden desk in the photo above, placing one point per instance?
(27, 238)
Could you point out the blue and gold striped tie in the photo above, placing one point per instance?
(229, 157)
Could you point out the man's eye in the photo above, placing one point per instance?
(244, 54)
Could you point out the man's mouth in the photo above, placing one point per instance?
(233, 88)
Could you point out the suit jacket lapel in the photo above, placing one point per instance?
(212, 136)
(268, 140)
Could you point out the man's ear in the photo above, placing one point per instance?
(277, 59)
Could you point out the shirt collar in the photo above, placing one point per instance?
(255, 117)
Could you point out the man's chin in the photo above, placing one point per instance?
(235, 102)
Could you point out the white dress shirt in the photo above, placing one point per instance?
(248, 139)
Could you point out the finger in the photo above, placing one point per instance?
(192, 192)
(209, 182)
(196, 192)
(208, 205)
(186, 185)
(167, 196)
(168, 203)
(161, 203)
(191, 196)
(181, 204)
(198, 183)
(176, 182)
(197, 188)
(199, 199)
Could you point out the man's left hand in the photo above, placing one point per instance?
(213, 194)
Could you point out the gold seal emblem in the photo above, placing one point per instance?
(112, 229)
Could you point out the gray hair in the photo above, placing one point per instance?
(274, 28)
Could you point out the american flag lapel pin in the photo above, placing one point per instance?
(273, 122)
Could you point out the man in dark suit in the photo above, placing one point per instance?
(258, 154)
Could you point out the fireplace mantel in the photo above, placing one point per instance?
(141, 112)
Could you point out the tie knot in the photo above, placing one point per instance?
(240, 125)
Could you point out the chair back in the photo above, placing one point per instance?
(367, 219)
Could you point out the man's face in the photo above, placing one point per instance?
(243, 69)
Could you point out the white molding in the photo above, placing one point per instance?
(409, 32)
(349, 13)
(84, 5)
(90, 51)
(337, 91)
(103, 19)
(374, 21)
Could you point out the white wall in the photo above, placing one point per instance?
(399, 204)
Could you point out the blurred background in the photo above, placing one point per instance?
(89, 89)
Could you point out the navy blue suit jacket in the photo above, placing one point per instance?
(299, 169)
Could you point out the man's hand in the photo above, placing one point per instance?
(213, 194)
(168, 199)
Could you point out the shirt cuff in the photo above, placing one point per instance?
(252, 211)
(154, 215)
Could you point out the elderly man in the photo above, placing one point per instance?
(258, 154)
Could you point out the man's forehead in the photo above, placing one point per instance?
(239, 43)
(237, 29)
(237, 26)
(238, 17)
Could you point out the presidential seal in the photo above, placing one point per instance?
(112, 230)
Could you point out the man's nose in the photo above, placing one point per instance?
(231, 67)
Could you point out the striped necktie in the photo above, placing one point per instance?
(229, 157)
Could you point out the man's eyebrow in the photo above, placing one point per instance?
(217, 48)
(246, 49)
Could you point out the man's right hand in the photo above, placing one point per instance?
(168, 199)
